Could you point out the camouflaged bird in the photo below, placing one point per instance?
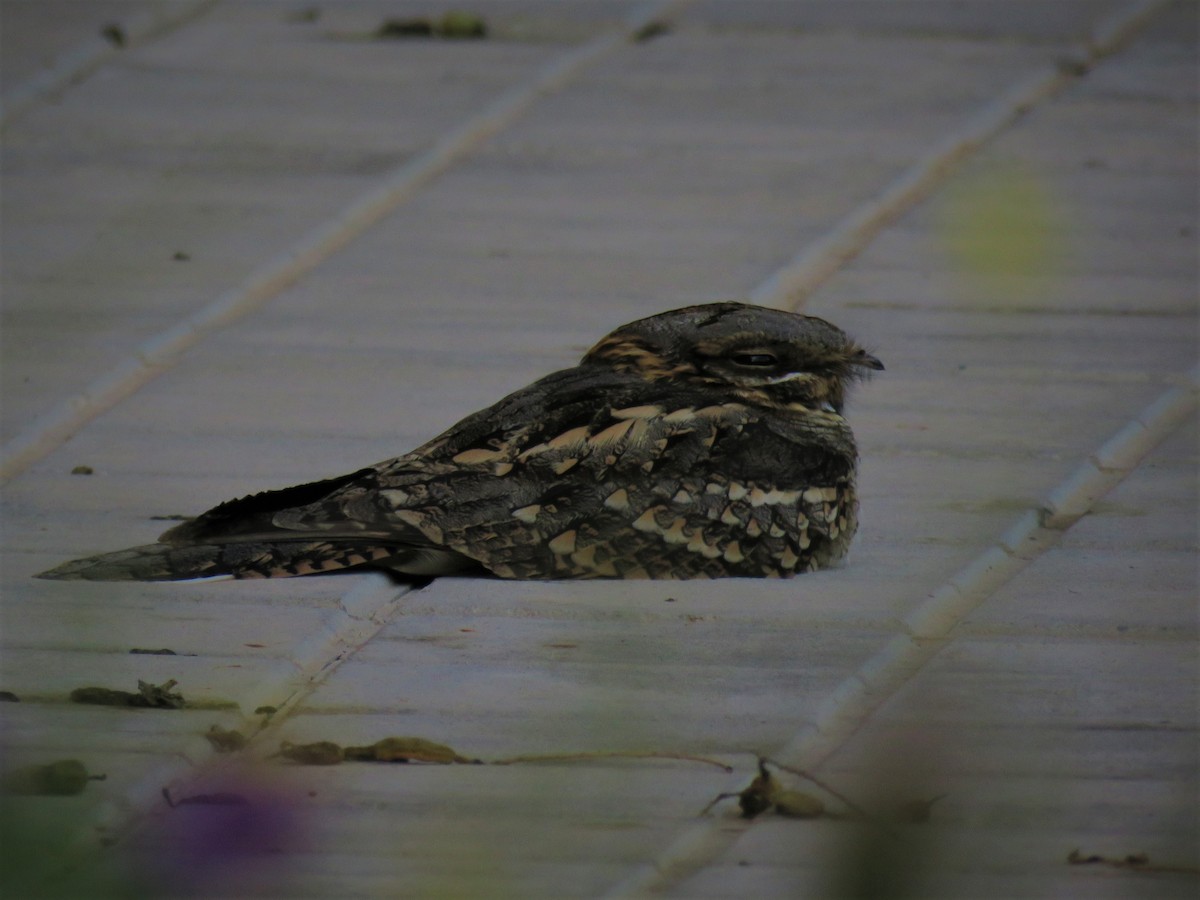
(700, 443)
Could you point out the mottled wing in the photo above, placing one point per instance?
(589, 473)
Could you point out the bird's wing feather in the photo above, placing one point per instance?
(649, 463)
(646, 463)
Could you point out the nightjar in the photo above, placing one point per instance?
(699, 443)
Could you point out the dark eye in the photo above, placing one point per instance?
(754, 359)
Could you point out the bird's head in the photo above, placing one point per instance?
(765, 356)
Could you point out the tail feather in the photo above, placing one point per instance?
(164, 562)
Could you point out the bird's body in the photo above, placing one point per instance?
(703, 442)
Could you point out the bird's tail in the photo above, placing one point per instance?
(165, 562)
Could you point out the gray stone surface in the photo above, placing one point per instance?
(1032, 300)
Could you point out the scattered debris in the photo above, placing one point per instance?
(392, 749)
(452, 26)
(83, 470)
(403, 28)
(827, 788)
(797, 804)
(163, 652)
(181, 256)
(266, 710)
(462, 25)
(63, 778)
(224, 741)
(655, 28)
(114, 34)
(765, 792)
(149, 696)
(318, 753)
(406, 749)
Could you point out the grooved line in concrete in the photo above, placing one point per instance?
(360, 614)
(76, 65)
(791, 285)
(159, 353)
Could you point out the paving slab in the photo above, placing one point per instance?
(257, 246)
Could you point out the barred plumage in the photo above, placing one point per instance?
(702, 442)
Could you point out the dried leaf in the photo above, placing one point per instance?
(759, 796)
(797, 804)
(461, 25)
(160, 696)
(453, 26)
(149, 696)
(406, 749)
(225, 741)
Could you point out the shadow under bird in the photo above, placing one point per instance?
(704, 442)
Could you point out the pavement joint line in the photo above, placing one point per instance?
(160, 352)
(927, 629)
(284, 687)
(77, 64)
(790, 285)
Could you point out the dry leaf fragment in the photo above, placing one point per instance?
(148, 696)
(797, 804)
(453, 25)
(757, 798)
(406, 749)
(224, 741)
(765, 792)
(160, 696)
(456, 24)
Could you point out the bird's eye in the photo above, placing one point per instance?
(754, 359)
